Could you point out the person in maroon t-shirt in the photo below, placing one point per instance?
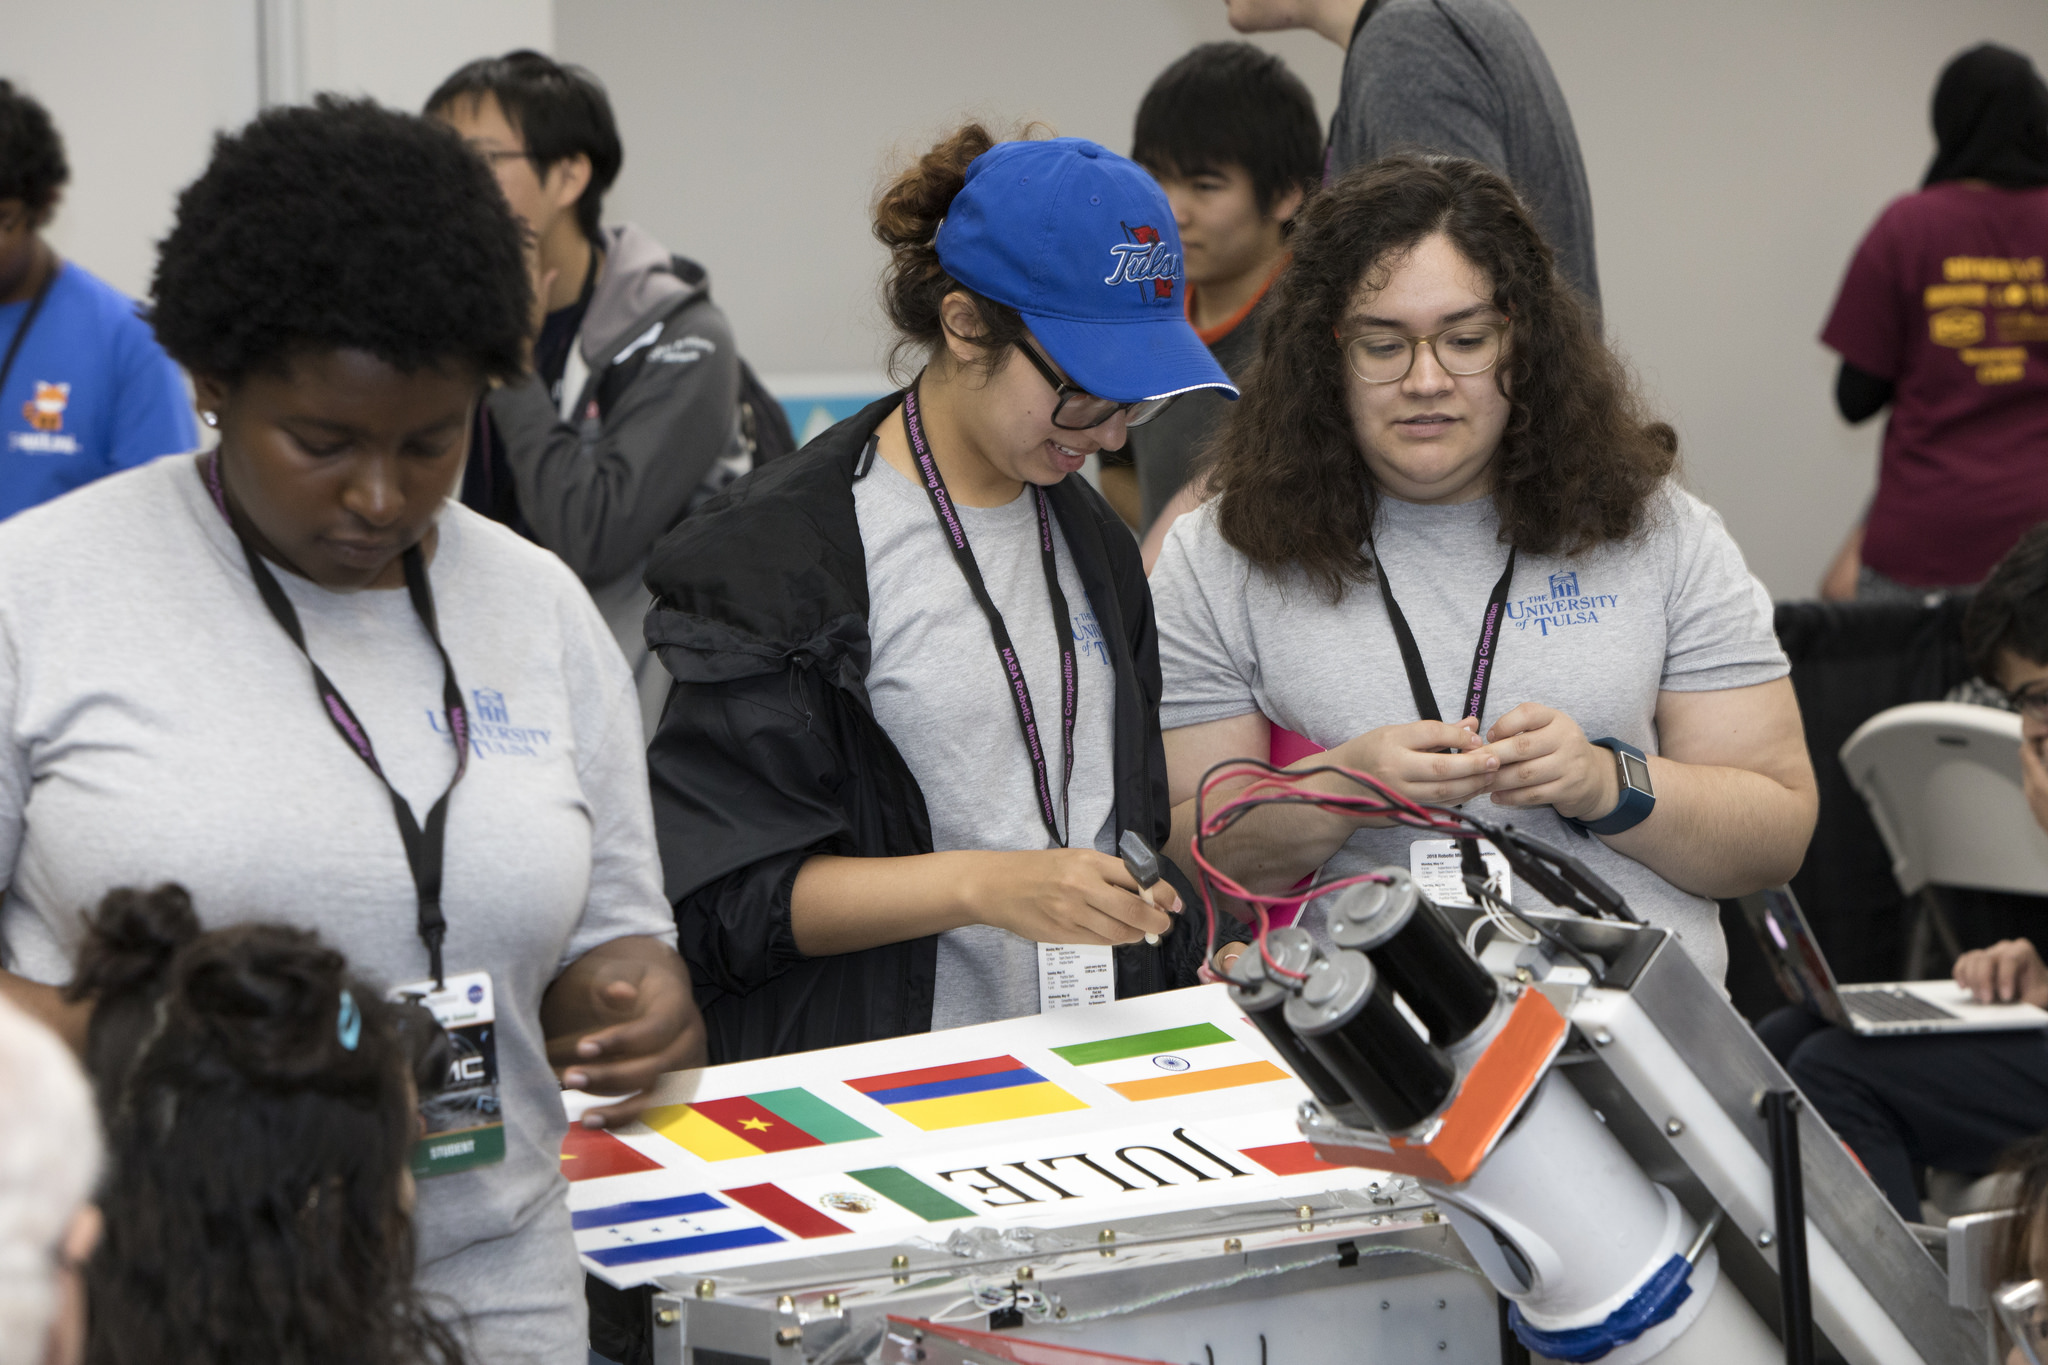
(1944, 315)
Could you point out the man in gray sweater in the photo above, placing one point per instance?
(1459, 76)
(634, 409)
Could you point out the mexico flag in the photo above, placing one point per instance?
(1174, 1061)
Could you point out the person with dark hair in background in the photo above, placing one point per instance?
(1952, 1101)
(84, 388)
(1436, 443)
(1944, 315)
(916, 674)
(366, 708)
(1460, 77)
(261, 1105)
(1230, 134)
(635, 404)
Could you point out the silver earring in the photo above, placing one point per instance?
(211, 419)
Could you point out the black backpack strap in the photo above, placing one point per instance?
(762, 418)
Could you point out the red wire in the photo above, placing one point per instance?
(1270, 786)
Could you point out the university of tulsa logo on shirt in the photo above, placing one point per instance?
(1088, 641)
(492, 733)
(44, 413)
(1560, 605)
(1146, 261)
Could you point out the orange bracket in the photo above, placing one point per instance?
(1488, 1097)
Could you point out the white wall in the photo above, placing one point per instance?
(139, 89)
(397, 51)
(1736, 150)
(757, 133)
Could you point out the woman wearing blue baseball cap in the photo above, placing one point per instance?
(916, 691)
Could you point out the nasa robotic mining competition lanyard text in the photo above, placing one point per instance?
(1482, 653)
(1069, 974)
(423, 846)
(1435, 863)
(1006, 652)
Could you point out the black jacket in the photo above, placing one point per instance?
(768, 751)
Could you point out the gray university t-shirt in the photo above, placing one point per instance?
(1597, 636)
(939, 691)
(160, 726)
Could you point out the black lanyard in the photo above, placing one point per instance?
(1013, 670)
(28, 320)
(423, 847)
(1482, 654)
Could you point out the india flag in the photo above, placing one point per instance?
(985, 1091)
(773, 1121)
(1174, 1061)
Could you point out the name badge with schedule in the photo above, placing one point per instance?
(1075, 975)
(465, 1123)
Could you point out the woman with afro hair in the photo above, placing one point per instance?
(293, 676)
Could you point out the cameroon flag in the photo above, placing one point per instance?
(774, 1121)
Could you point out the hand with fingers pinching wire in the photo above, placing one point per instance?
(1546, 760)
(1427, 761)
(1067, 895)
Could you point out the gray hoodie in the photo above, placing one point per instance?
(648, 425)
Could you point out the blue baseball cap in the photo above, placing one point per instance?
(1082, 243)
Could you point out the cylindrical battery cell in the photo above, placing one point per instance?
(1262, 995)
(1347, 1017)
(1417, 952)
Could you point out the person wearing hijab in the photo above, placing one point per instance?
(1944, 315)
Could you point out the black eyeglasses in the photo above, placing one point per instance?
(1076, 409)
(492, 156)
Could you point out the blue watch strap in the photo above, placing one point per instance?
(1635, 805)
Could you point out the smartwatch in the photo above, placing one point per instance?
(1637, 800)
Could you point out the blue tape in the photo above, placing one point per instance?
(1656, 1301)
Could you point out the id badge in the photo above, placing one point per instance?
(1074, 975)
(465, 1123)
(1439, 872)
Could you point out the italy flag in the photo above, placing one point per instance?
(1174, 1061)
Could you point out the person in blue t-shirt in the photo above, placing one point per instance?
(84, 388)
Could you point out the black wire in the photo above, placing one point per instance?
(1482, 894)
(1560, 878)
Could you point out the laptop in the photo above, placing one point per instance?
(1877, 1010)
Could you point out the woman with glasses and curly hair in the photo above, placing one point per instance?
(916, 692)
(1449, 549)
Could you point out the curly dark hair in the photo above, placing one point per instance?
(1579, 457)
(32, 164)
(254, 1207)
(907, 217)
(343, 225)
